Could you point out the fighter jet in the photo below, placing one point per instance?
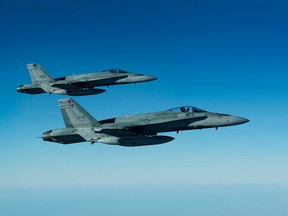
(78, 85)
(133, 130)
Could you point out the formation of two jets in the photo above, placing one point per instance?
(133, 130)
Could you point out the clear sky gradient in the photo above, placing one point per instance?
(223, 56)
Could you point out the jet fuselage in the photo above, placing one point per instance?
(133, 130)
(171, 120)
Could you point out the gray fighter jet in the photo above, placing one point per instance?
(78, 85)
(133, 130)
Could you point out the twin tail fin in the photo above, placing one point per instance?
(75, 116)
(38, 74)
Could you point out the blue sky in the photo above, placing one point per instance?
(222, 56)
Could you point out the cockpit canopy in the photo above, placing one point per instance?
(187, 109)
(114, 70)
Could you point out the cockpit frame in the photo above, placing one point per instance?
(187, 109)
(114, 70)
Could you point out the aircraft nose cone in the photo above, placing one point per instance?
(245, 120)
(148, 78)
(235, 120)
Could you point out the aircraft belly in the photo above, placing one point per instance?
(81, 92)
(131, 141)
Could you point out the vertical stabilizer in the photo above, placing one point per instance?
(38, 74)
(75, 116)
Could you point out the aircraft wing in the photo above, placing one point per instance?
(92, 82)
(146, 127)
(143, 132)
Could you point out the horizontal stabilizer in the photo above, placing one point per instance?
(69, 137)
